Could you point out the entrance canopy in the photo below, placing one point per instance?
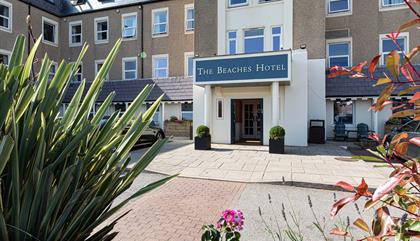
(244, 68)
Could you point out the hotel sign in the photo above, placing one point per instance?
(262, 67)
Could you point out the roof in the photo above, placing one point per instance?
(174, 89)
(345, 86)
(62, 8)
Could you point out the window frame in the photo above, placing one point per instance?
(77, 73)
(71, 24)
(391, 7)
(382, 37)
(123, 26)
(187, 112)
(220, 100)
(161, 34)
(126, 59)
(9, 29)
(232, 39)
(56, 37)
(338, 41)
(353, 111)
(100, 61)
(186, 56)
(95, 23)
(7, 53)
(254, 37)
(154, 57)
(186, 29)
(276, 35)
(348, 11)
(230, 5)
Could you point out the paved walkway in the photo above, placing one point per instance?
(315, 165)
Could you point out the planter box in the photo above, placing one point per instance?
(276, 146)
(203, 143)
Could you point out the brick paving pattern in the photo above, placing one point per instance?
(177, 210)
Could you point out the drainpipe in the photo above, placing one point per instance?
(142, 41)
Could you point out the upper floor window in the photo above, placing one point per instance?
(338, 6)
(98, 65)
(276, 35)
(189, 64)
(5, 16)
(254, 40)
(160, 21)
(392, 3)
(129, 26)
(160, 66)
(387, 45)
(189, 18)
(237, 3)
(339, 53)
(75, 33)
(101, 30)
(232, 42)
(4, 57)
(79, 74)
(49, 31)
(53, 70)
(129, 68)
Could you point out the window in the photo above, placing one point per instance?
(4, 57)
(75, 33)
(160, 21)
(339, 53)
(232, 43)
(101, 30)
(387, 45)
(254, 40)
(187, 111)
(219, 110)
(338, 6)
(129, 26)
(276, 38)
(160, 66)
(156, 120)
(343, 112)
(189, 64)
(189, 18)
(5, 16)
(79, 74)
(98, 66)
(237, 3)
(49, 31)
(53, 70)
(129, 68)
(392, 3)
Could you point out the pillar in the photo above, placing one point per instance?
(375, 117)
(162, 115)
(207, 105)
(275, 99)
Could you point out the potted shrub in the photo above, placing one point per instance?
(277, 140)
(203, 138)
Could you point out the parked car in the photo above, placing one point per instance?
(150, 135)
(412, 128)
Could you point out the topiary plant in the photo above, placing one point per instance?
(202, 131)
(60, 175)
(277, 132)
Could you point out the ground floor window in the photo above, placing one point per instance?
(187, 111)
(219, 109)
(343, 111)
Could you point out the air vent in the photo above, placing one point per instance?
(338, 33)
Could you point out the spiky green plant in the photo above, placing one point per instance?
(59, 176)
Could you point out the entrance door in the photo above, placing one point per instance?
(252, 119)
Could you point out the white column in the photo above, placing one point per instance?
(275, 99)
(162, 115)
(375, 117)
(207, 105)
